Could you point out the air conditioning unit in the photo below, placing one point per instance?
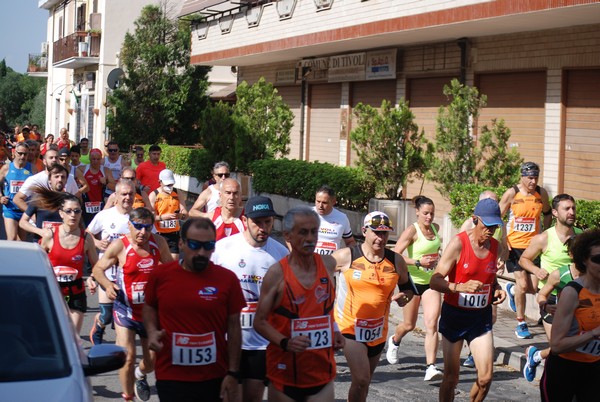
(44, 47)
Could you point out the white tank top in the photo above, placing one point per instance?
(213, 201)
(115, 168)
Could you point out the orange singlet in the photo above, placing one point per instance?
(364, 294)
(586, 318)
(524, 219)
(307, 312)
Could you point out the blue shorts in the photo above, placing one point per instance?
(10, 213)
(459, 324)
(122, 320)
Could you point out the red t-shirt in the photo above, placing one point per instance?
(147, 174)
(193, 309)
(468, 267)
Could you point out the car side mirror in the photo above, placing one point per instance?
(104, 358)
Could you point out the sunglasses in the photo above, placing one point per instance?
(113, 150)
(140, 226)
(21, 153)
(128, 177)
(222, 175)
(62, 159)
(379, 220)
(196, 245)
(75, 211)
(595, 258)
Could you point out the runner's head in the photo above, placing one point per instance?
(377, 227)
(425, 209)
(564, 209)
(197, 243)
(486, 218)
(301, 230)
(324, 200)
(586, 251)
(140, 225)
(259, 218)
(230, 196)
(530, 173)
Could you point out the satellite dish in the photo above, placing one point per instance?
(114, 77)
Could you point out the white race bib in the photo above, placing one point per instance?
(65, 274)
(526, 225)
(170, 224)
(325, 247)
(15, 186)
(475, 300)
(137, 292)
(317, 329)
(92, 207)
(247, 315)
(590, 348)
(368, 329)
(194, 350)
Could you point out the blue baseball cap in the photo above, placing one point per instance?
(488, 211)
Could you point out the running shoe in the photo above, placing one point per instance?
(392, 351)
(522, 331)
(531, 364)
(433, 373)
(469, 361)
(142, 389)
(510, 291)
(97, 332)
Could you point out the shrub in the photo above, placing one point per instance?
(194, 162)
(464, 197)
(300, 179)
(588, 214)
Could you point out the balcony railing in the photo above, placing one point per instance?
(37, 63)
(78, 44)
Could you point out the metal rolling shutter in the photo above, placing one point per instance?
(323, 137)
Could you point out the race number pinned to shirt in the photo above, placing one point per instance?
(317, 329)
(137, 292)
(92, 207)
(65, 274)
(50, 225)
(475, 300)
(194, 350)
(169, 224)
(15, 186)
(368, 329)
(590, 348)
(325, 247)
(526, 225)
(247, 315)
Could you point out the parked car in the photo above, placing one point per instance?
(41, 358)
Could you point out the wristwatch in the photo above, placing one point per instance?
(418, 264)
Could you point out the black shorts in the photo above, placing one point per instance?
(564, 379)
(512, 263)
(77, 302)
(457, 323)
(189, 391)
(547, 317)
(372, 351)
(172, 240)
(253, 365)
(300, 394)
(421, 289)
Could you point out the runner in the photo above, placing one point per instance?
(226, 217)
(67, 246)
(137, 254)
(141, 197)
(551, 246)
(208, 199)
(74, 173)
(423, 244)
(192, 316)
(335, 231)
(169, 210)
(526, 202)
(573, 368)
(369, 274)
(98, 178)
(114, 163)
(295, 314)
(148, 171)
(249, 255)
(468, 296)
(12, 177)
(109, 225)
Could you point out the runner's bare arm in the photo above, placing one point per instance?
(163, 246)
(201, 201)
(109, 258)
(546, 291)
(536, 247)
(408, 237)
(83, 184)
(546, 208)
(446, 264)
(342, 259)
(150, 316)
(229, 386)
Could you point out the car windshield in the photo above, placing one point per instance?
(31, 344)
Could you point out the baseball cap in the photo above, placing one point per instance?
(166, 177)
(259, 207)
(378, 221)
(488, 211)
(63, 152)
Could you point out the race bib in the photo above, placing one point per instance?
(590, 348)
(325, 247)
(475, 300)
(137, 292)
(368, 329)
(170, 224)
(194, 350)
(92, 207)
(15, 186)
(247, 315)
(317, 329)
(65, 274)
(526, 225)
(50, 225)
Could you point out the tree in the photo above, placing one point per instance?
(218, 132)
(17, 95)
(162, 95)
(390, 146)
(499, 166)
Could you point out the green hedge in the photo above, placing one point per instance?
(194, 162)
(300, 179)
(588, 214)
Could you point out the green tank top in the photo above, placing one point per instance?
(420, 248)
(556, 254)
(565, 277)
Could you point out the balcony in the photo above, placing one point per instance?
(37, 65)
(77, 50)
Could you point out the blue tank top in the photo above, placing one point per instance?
(13, 181)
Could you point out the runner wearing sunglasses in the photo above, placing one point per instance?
(208, 199)
(369, 275)
(141, 197)
(192, 315)
(136, 254)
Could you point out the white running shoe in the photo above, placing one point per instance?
(433, 373)
(392, 351)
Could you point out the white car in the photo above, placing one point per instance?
(40, 356)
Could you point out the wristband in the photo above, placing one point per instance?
(408, 285)
(235, 374)
(283, 344)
